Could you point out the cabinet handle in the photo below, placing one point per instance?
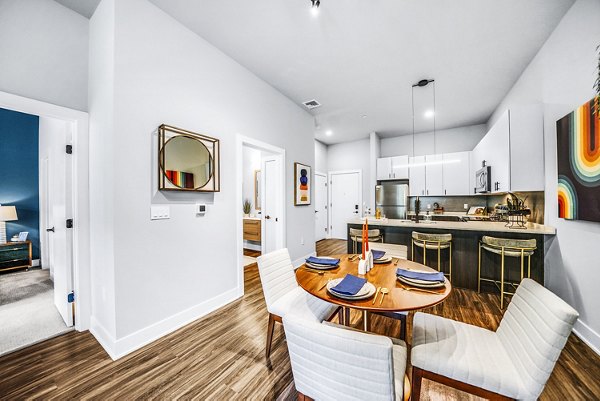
(445, 192)
(422, 192)
(427, 192)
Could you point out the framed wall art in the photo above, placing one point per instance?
(187, 161)
(578, 146)
(302, 184)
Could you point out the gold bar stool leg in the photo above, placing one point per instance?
(439, 258)
(450, 268)
(502, 281)
(479, 270)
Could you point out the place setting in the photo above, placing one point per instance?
(321, 264)
(421, 281)
(350, 288)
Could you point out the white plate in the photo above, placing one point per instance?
(421, 283)
(321, 267)
(385, 259)
(365, 292)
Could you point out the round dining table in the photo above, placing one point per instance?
(400, 297)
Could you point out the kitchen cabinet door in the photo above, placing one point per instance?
(400, 167)
(416, 176)
(527, 148)
(384, 168)
(434, 175)
(456, 173)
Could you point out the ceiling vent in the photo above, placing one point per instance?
(311, 104)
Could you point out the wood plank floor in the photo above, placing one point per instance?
(222, 357)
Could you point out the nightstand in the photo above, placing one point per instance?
(15, 255)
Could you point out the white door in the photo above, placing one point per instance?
(320, 206)
(272, 224)
(434, 175)
(384, 168)
(456, 173)
(345, 201)
(59, 238)
(416, 176)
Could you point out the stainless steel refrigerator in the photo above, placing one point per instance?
(392, 199)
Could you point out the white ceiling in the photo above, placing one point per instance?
(360, 57)
(83, 7)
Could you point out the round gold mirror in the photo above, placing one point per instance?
(187, 162)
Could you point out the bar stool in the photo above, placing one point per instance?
(506, 247)
(433, 241)
(375, 235)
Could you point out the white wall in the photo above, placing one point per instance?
(352, 156)
(44, 52)
(194, 86)
(446, 141)
(321, 165)
(561, 76)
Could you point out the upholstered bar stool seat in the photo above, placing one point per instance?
(506, 247)
(514, 362)
(374, 235)
(437, 242)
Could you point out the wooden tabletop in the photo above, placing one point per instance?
(382, 275)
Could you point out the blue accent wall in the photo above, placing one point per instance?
(19, 173)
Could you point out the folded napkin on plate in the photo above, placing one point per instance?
(377, 254)
(350, 285)
(321, 261)
(433, 276)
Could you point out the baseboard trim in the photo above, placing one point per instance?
(587, 335)
(118, 348)
(300, 261)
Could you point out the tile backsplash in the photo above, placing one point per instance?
(534, 200)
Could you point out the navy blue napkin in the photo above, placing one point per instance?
(377, 254)
(350, 285)
(433, 277)
(321, 261)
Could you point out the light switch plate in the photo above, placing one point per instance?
(161, 212)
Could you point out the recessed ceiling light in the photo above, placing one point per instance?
(314, 8)
(329, 132)
(429, 114)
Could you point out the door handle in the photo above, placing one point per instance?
(50, 229)
(267, 217)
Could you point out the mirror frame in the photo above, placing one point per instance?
(256, 189)
(166, 133)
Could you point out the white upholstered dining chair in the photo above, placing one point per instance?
(284, 296)
(514, 362)
(332, 362)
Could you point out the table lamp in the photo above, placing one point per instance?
(7, 213)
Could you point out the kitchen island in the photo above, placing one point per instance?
(465, 247)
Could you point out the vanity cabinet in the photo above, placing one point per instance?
(392, 168)
(252, 230)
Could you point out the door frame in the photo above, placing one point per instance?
(318, 173)
(240, 142)
(330, 198)
(263, 227)
(79, 122)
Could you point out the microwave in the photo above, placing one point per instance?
(483, 180)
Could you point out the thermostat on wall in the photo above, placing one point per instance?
(200, 209)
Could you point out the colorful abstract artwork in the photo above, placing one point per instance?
(578, 145)
(302, 182)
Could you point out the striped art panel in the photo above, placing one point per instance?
(181, 179)
(578, 145)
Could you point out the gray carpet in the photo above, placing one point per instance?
(27, 311)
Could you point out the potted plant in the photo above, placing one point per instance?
(247, 207)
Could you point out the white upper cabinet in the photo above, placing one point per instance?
(456, 173)
(400, 167)
(494, 148)
(392, 168)
(527, 148)
(384, 168)
(416, 174)
(434, 175)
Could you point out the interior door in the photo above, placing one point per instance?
(272, 234)
(320, 207)
(346, 191)
(59, 240)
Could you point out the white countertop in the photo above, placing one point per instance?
(252, 218)
(490, 226)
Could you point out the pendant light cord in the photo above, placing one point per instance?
(413, 121)
(434, 137)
